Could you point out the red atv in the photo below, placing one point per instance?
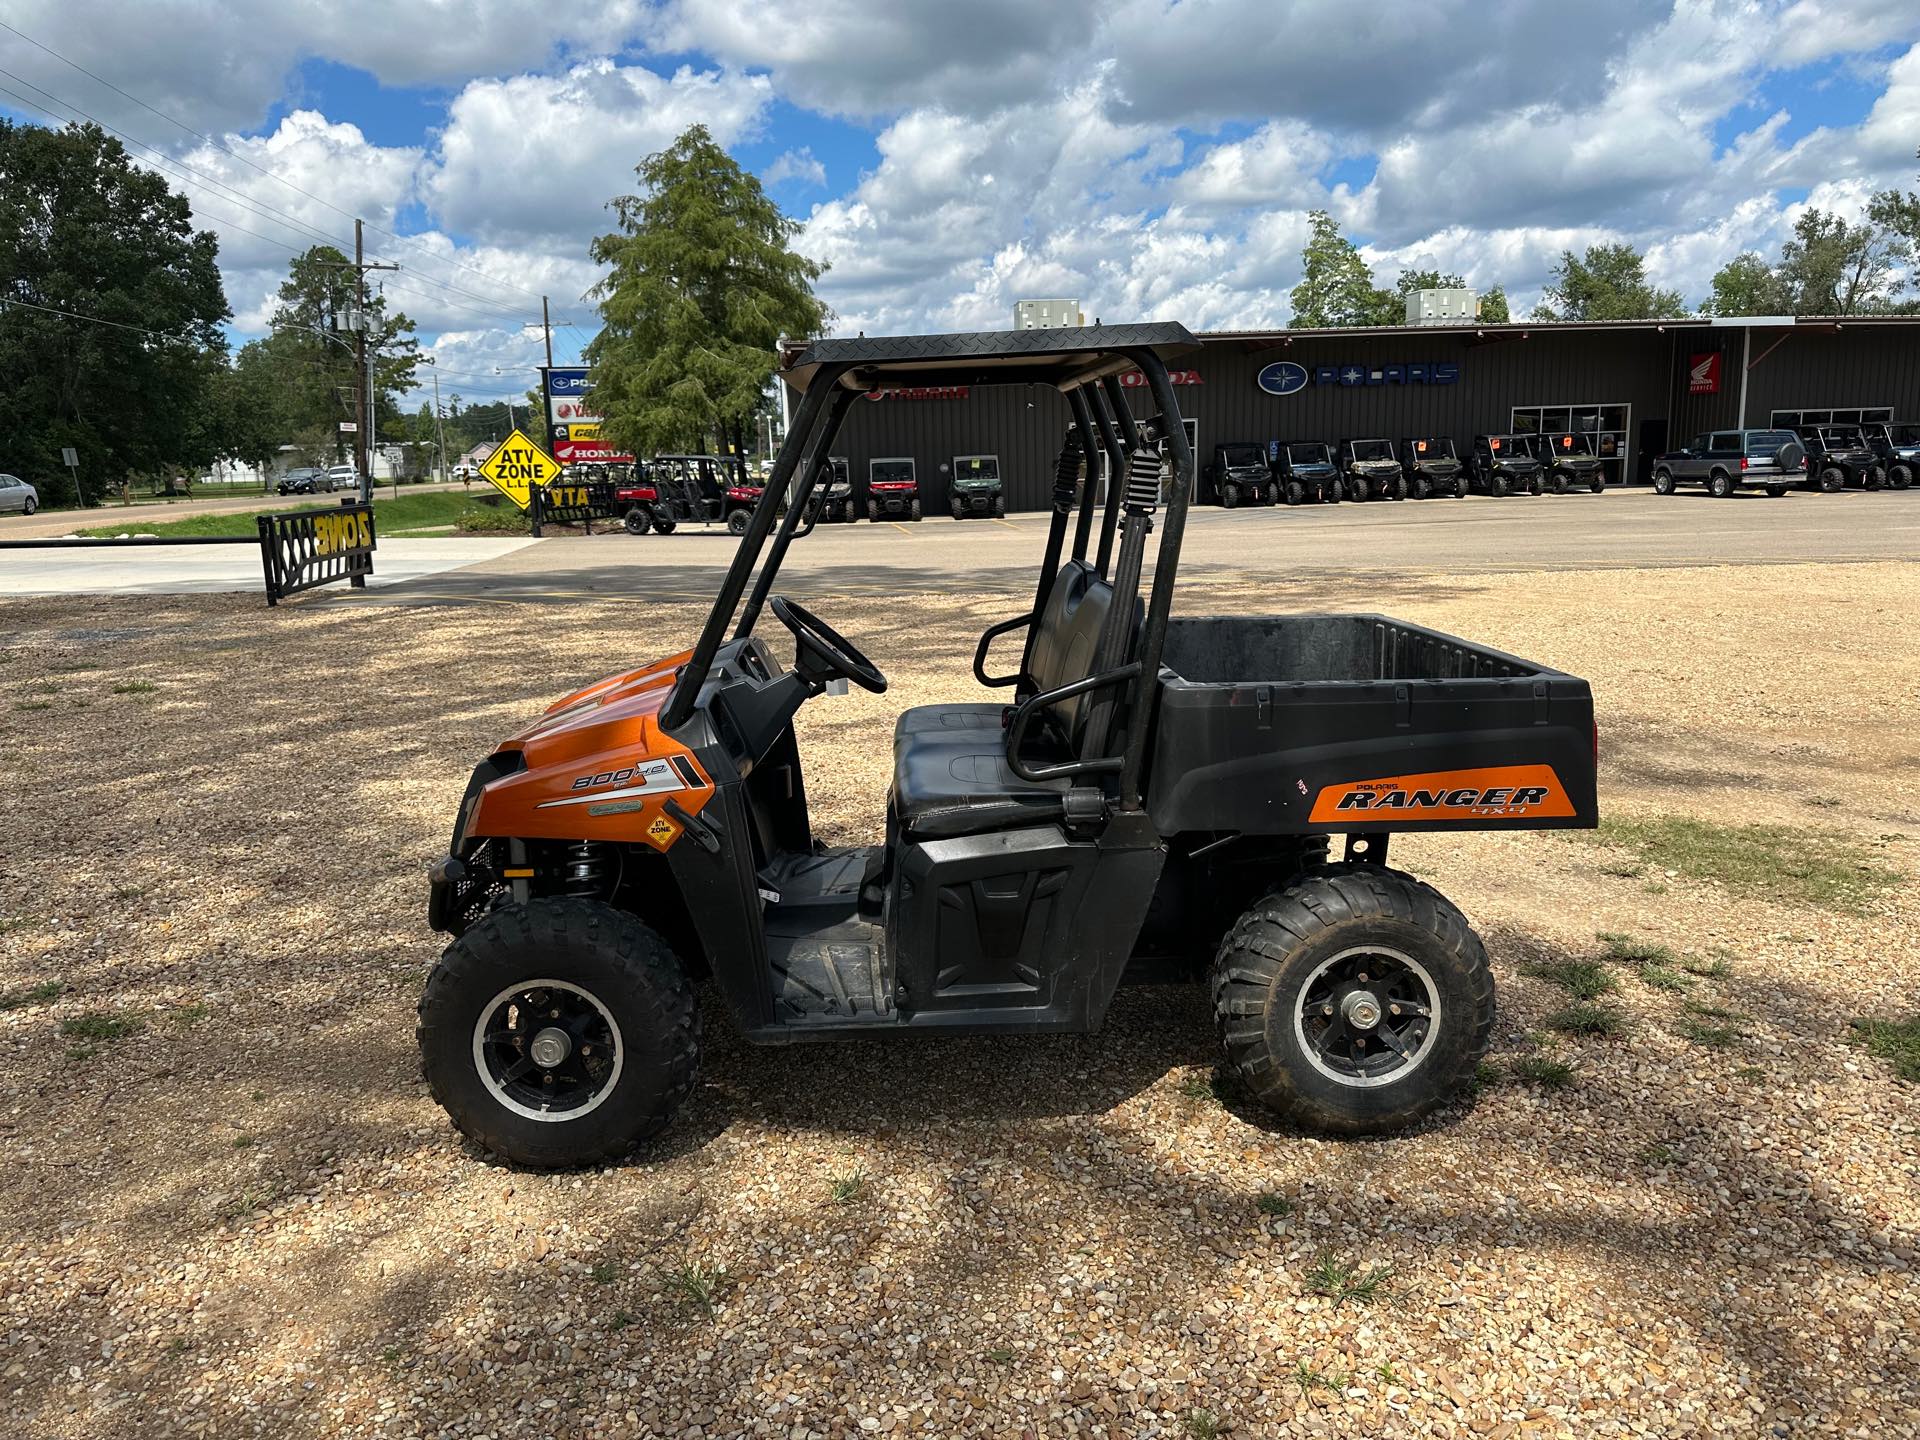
(671, 490)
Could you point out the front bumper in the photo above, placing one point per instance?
(443, 881)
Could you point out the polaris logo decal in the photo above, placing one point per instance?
(1283, 377)
(1417, 372)
(1496, 792)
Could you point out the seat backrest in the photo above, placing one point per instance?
(1068, 639)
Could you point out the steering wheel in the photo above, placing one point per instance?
(822, 653)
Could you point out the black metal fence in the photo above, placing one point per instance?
(316, 547)
(567, 503)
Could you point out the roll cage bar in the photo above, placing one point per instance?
(1085, 364)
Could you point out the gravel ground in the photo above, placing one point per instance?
(243, 1216)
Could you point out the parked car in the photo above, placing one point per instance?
(975, 488)
(343, 477)
(1238, 475)
(304, 481)
(1897, 443)
(1432, 467)
(1567, 460)
(1839, 456)
(1730, 460)
(892, 488)
(1502, 464)
(1370, 470)
(1304, 470)
(17, 494)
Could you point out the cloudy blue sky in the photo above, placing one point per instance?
(1156, 158)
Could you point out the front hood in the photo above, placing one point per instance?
(598, 766)
(976, 484)
(1438, 467)
(1376, 467)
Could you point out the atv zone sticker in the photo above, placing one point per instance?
(1500, 792)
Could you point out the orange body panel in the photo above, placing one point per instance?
(598, 767)
(1495, 792)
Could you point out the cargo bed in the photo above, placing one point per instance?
(1292, 724)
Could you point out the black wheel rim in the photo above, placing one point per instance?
(548, 1050)
(1367, 1017)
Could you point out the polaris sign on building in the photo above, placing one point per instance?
(1289, 377)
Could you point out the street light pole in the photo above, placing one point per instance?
(360, 360)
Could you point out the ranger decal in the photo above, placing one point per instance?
(1496, 792)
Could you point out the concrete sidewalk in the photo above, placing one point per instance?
(183, 569)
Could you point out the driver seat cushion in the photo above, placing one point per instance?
(944, 788)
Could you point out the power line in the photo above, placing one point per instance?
(271, 174)
(98, 320)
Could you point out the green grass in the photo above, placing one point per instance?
(1632, 950)
(698, 1284)
(1202, 1425)
(619, 1320)
(1582, 979)
(1488, 1073)
(135, 687)
(98, 1025)
(604, 1272)
(1310, 1379)
(1542, 1070)
(39, 994)
(1199, 1087)
(1343, 1280)
(1713, 969)
(408, 512)
(848, 1188)
(243, 1142)
(33, 705)
(1825, 870)
(1895, 1041)
(1656, 1154)
(1587, 1020)
(1662, 978)
(1278, 1206)
(1712, 1012)
(1000, 1355)
(1714, 1037)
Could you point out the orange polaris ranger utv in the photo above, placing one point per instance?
(1160, 789)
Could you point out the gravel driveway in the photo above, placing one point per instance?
(229, 1209)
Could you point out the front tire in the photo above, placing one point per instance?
(1295, 493)
(1357, 488)
(559, 1033)
(1328, 1049)
(1662, 482)
(913, 510)
(1832, 480)
(637, 521)
(1497, 486)
(737, 521)
(1898, 476)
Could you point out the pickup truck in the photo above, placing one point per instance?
(1727, 461)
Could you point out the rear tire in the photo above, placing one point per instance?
(1720, 484)
(1663, 482)
(616, 985)
(662, 526)
(1875, 478)
(1296, 955)
(1898, 476)
(1537, 486)
(29, 505)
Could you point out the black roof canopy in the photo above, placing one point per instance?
(1063, 356)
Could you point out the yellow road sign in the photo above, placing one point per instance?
(517, 466)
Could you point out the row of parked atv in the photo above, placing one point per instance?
(1301, 472)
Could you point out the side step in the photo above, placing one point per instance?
(831, 976)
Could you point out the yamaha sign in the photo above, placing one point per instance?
(1285, 377)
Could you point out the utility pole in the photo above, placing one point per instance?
(546, 392)
(363, 398)
(439, 435)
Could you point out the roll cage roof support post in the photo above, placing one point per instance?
(1089, 448)
(686, 689)
(1153, 636)
(1116, 449)
(1065, 468)
(815, 467)
(1128, 431)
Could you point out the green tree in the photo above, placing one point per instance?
(1609, 283)
(1336, 286)
(1493, 306)
(84, 232)
(1831, 267)
(1746, 285)
(311, 353)
(702, 282)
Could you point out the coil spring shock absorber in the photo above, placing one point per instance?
(586, 869)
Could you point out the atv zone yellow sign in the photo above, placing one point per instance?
(517, 467)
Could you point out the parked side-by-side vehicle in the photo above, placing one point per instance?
(1369, 470)
(1727, 461)
(1305, 471)
(893, 489)
(1504, 465)
(1567, 462)
(669, 491)
(1432, 467)
(1839, 456)
(1134, 785)
(1238, 474)
(1897, 443)
(975, 487)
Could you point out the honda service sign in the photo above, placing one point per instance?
(1703, 373)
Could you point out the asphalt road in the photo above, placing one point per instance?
(1618, 530)
(1479, 535)
(49, 523)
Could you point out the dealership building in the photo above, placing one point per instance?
(1635, 388)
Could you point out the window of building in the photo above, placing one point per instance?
(1866, 415)
(1604, 426)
